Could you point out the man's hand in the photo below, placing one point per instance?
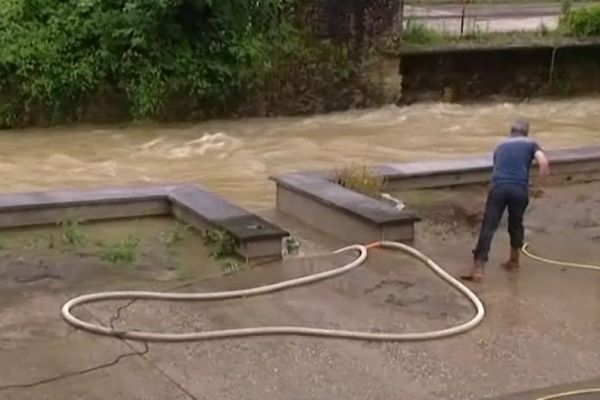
(544, 164)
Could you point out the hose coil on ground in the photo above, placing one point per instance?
(298, 330)
(276, 330)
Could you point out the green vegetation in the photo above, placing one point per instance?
(291, 246)
(361, 179)
(582, 22)
(123, 252)
(574, 25)
(57, 55)
(176, 235)
(419, 36)
(71, 233)
(174, 246)
(223, 247)
(171, 239)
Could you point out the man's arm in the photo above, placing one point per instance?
(543, 163)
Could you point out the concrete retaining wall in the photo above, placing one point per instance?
(521, 72)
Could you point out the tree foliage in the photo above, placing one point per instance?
(583, 22)
(54, 54)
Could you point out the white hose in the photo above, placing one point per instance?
(275, 330)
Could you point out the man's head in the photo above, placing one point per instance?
(519, 127)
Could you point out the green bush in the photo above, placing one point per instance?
(55, 54)
(71, 233)
(583, 22)
(123, 252)
(220, 243)
(418, 34)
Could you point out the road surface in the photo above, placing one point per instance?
(488, 17)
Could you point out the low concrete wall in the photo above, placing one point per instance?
(200, 208)
(335, 222)
(521, 72)
(577, 164)
(314, 199)
(352, 217)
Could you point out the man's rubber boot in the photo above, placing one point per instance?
(475, 274)
(513, 262)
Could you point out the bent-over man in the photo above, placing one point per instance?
(509, 189)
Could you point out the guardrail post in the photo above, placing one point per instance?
(462, 20)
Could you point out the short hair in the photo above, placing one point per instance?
(519, 127)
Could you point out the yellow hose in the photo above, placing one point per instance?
(569, 394)
(556, 262)
(570, 265)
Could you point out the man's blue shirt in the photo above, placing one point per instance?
(512, 161)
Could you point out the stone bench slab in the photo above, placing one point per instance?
(235, 220)
(75, 198)
(479, 163)
(328, 193)
(193, 204)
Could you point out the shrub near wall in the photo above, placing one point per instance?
(583, 22)
(57, 55)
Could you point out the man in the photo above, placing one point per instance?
(509, 189)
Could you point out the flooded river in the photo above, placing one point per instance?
(235, 158)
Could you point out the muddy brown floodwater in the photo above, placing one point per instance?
(234, 158)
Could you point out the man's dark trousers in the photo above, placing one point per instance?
(515, 197)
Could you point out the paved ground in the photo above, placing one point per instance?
(569, 388)
(541, 328)
(488, 17)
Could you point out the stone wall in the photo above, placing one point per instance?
(517, 72)
(356, 21)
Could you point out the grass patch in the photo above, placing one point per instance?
(176, 235)
(123, 252)
(71, 234)
(361, 179)
(419, 37)
(223, 247)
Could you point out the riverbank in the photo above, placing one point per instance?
(308, 59)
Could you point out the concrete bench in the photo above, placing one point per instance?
(333, 209)
(192, 204)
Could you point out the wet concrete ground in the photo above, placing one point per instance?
(569, 392)
(541, 327)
